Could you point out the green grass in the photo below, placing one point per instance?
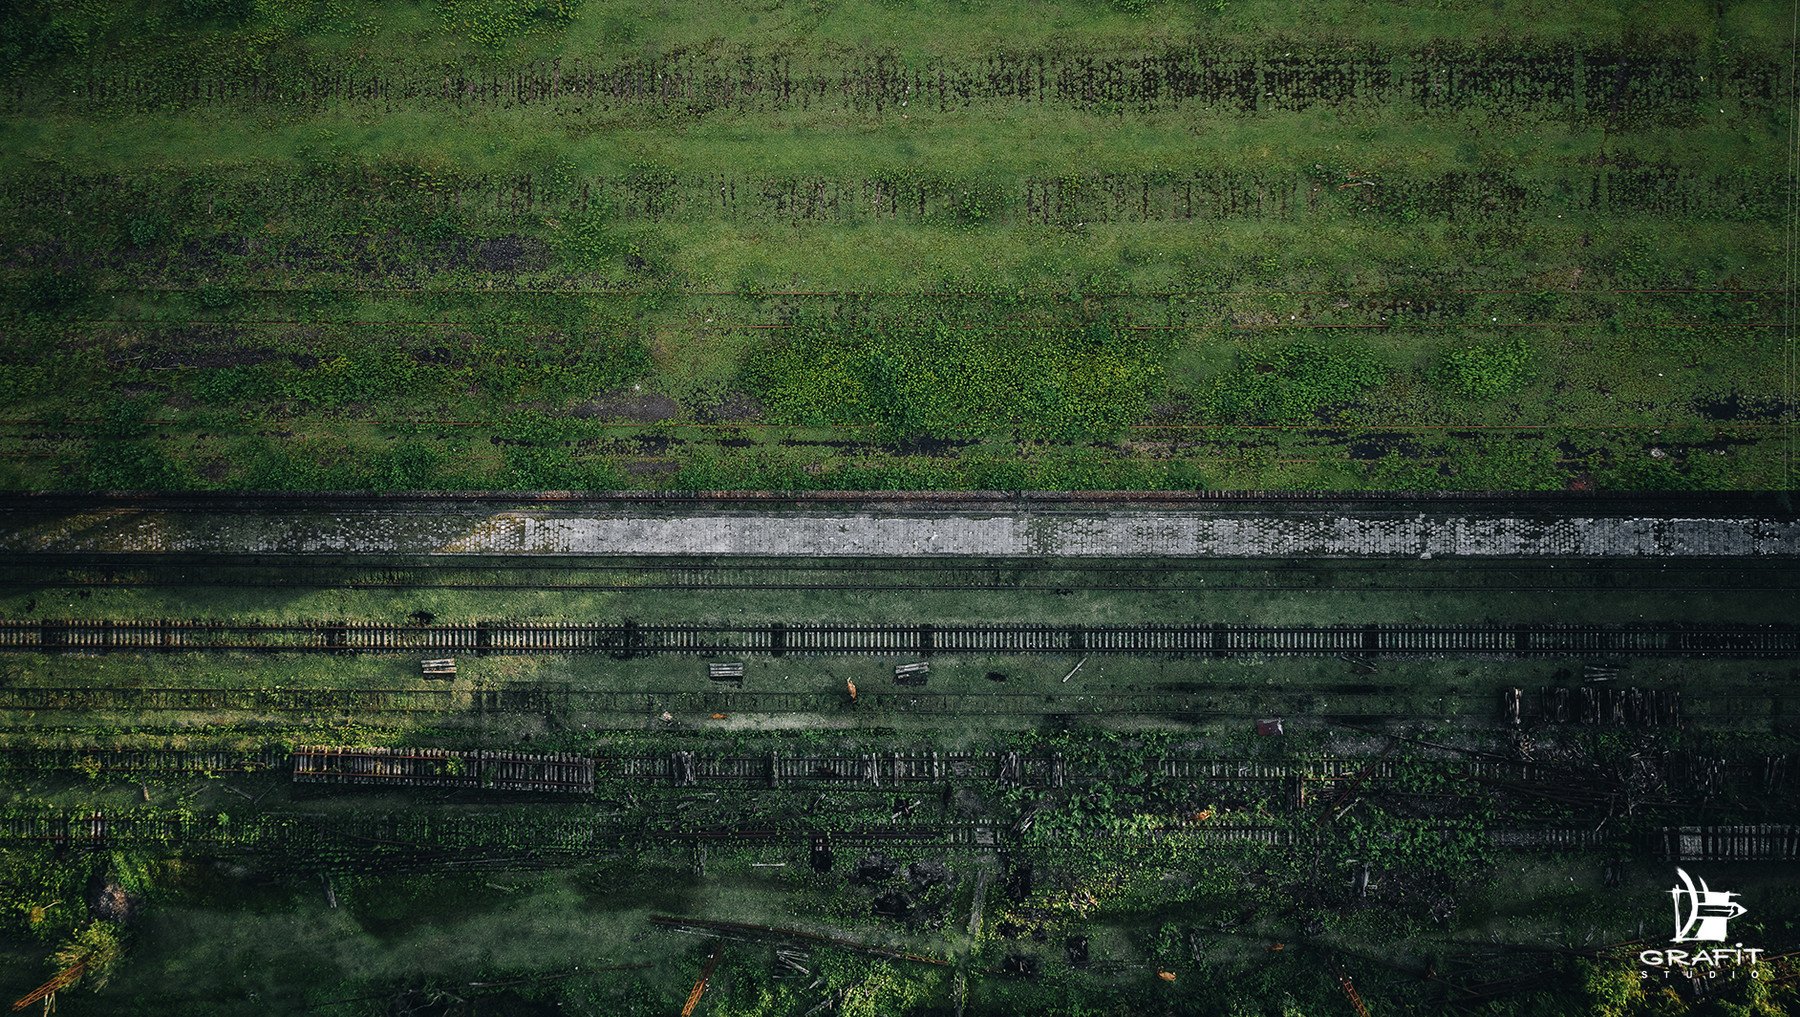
(376, 265)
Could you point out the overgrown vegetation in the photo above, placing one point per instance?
(1483, 372)
(1111, 895)
(1075, 244)
(342, 245)
(959, 382)
(1294, 383)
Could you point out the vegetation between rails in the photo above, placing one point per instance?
(258, 247)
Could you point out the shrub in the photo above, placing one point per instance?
(40, 31)
(975, 203)
(1483, 372)
(537, 467)
(1059, 382)
(414, 467)
(1293, 383)
(588, 242)
(96, 946)
(492, 23)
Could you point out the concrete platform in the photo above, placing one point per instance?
(886, 527)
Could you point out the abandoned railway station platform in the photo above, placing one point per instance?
(989, 525)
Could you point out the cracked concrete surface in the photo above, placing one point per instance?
(450, 529)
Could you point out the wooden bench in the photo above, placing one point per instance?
(726, 674)
(445, 667)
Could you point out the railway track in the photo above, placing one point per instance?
(420, 564)
(475, 837)
(769, 768)
(561, 773)
(1374, 703)
(159, 762)
(1768, 775)
(629, 639)
(109, 572)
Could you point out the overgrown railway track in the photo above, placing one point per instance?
(561, 700)
(879, 769)
(1352, 704)
(500, 835)
(629, 639)
(574, 575)
(337, 840)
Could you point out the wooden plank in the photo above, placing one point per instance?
(693, 999)
(64, 978)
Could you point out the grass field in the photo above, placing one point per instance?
(288, 245)
(788, 245)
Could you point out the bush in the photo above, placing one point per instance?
(537, 467)
(494, 22)
(414, 467)
(1483, 372)
(1293, 383)
(589, 242)
(975, 203)
(40, 31)
(1057, 382)
(96, 946)
(878, 988)
(144, 230)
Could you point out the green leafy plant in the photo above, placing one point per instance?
(96, 949)
(1483, 372)
(1056, 381)
(1293, 383)
(493, 23)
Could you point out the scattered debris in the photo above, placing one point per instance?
(893, 904)
(792, 963)
(1022, 965)
(1081, 664)
(693, 999)
(912, 675)
(925, 875)
(874, 868)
